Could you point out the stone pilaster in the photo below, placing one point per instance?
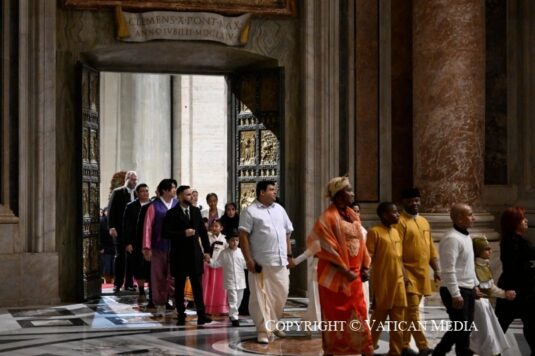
(321, 106)
(28, 256)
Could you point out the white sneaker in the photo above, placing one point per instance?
(262, 338)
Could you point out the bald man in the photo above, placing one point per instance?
(459, 281)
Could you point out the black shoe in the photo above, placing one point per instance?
(130, 289)
(168, 306)
(150, 305)
(425, 352)
(116, 290)
(235, 322)
(190, 305)
(181, 320)
(408, 352)
(203, 320)
(437, 352)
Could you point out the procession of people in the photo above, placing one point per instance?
(217, 256)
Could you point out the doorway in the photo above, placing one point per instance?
(255, 110)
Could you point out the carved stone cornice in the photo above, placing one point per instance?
(271, 8)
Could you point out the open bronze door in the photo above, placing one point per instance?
(256, 131)
(89, 211)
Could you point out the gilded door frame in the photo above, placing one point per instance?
(89, 163)
(256, 134)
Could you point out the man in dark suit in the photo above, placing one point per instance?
(118, 200)
(133, 238)
(183, 225)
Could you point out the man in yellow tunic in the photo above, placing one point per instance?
(419, 253)
(388, 282)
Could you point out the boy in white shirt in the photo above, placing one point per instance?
(233, 263)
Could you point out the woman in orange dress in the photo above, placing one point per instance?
(343, 259)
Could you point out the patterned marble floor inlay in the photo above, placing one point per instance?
(122, 325)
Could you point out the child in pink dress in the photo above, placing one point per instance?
(215, 295)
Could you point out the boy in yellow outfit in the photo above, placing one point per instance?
(387, 277)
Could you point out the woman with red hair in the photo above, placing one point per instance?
(518, 258)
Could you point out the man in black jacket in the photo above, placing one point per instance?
(118, 200)
(139, 237)
(133, 237)
(189, 239)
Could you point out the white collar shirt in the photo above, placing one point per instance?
(185, 210)
(267, 227)
(167, 205)
(234, 267)
(131, 192)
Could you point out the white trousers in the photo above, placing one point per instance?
(269, 291)
(234, 297)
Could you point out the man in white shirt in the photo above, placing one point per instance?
(459, 281)
(265, 231)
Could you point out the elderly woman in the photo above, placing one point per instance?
(518, 260)
(340, 247)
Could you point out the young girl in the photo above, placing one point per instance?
(215, 296)
(233, 263)
(489, 338)
(230, 219)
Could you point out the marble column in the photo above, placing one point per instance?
(449, 101)
(449, 109)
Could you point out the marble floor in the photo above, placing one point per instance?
(121, 325)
